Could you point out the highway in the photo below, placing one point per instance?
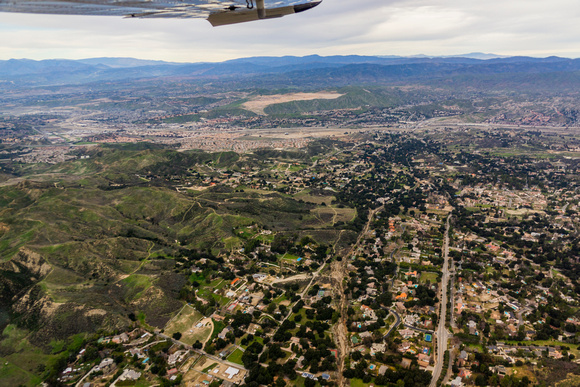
(442, 335)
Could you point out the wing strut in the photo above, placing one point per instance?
(261, 9)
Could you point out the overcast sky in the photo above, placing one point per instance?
(336, 27)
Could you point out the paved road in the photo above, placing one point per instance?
(398, 317)
(202, 352)
(80, 382)
(397, 269)
(397, 322)
(442, 335)
(452, 299)
(313, 277)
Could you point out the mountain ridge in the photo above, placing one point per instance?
(52, 72)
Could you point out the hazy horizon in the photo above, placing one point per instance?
(473, 55)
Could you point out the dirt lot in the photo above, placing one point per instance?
(217, 370)
(258, 104)
(196, 379)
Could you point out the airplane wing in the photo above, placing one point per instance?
(218, 12)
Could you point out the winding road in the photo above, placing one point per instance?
(395, 325)
(398, 322)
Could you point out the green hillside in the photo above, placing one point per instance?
(87, 245)
(354, 97)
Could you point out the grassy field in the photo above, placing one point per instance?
(245, 232)
(299, 382)
(328, 216)
(344, 214)
(280, 299)
(301, 312)
(12, 375)
(520, 372)
(209, 368)
(573, 381)
(307, 197)
(236, 357)
(136, 285)
(290, 258)
(218, 284)
(21, 366)
(60, 277)
(427, 276)
(359, 383)
(296, 168)
(185, 323)
(218, 326)
(233, 243)
(266, 238)
(475, 347)
(207, 292)
(196, 277)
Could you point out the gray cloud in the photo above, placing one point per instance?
(371, 27)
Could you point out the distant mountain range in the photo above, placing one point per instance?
(124, 62)
(297, 70)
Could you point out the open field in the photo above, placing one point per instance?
(218, 326)
(236, 357)
(258, 104)
(427, 276)
(207, 293)
(12, 375)
(19, 368)
(343, 214)
(185, 323)
(359, 383)
(574, 380)
(332, 215)
(136, 284)
(317, 199)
